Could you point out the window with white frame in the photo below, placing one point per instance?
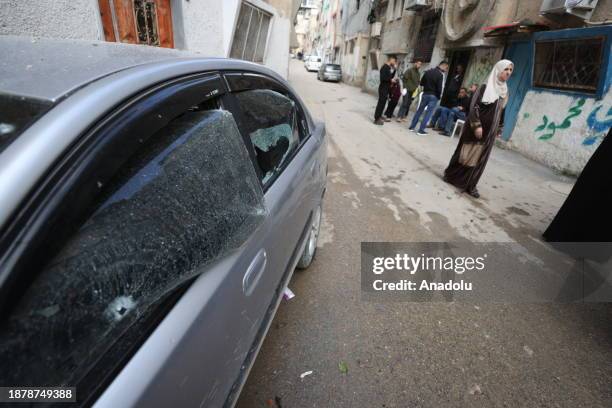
(251, 34)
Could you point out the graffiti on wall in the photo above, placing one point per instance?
(349, 71)
(551, 127)
(597, 127)
(481, 64)
(373, 80)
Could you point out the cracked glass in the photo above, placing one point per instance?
(187, 199)
(271, 122)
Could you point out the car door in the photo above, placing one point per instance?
(268, 115)
(136, 281)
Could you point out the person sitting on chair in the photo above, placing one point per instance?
(449, 116)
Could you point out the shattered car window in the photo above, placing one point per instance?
(188, 198)
(270, 120)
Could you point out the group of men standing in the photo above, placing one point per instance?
(433, 84)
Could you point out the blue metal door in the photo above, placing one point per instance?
(518, 84)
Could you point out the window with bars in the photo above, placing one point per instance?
(427, 37)
(569, 64)
(251, 34)
(147, 30)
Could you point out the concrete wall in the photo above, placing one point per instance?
(467, 25)
(209, 28)
(73, 19)
(355, 26)
(399, 34)
(355, 21)
(203, 26)
(354, 65)
(277, 56)
(199, 26)
(603, 11)
(564, 149)
(372, 80)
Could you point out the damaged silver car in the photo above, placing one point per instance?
(153, 209)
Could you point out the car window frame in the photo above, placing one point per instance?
(64, 199)
(257, 81)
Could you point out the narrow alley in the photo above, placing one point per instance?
(385, 184)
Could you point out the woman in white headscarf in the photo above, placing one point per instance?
(484, 122)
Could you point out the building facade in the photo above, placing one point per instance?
(356, 36)
(329, 36)
(306, 22)
(560, 107)
(254, 30)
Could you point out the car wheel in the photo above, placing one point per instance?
(311, 244)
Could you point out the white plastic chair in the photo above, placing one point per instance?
(458, 123)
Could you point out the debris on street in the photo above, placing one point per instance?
(288, 294)
(305, 374)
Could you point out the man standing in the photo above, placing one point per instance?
(410, 79)
(452, 87)
(432, 83)
(386, 76)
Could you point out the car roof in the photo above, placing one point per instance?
(50, 68)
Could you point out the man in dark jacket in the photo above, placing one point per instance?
(452, 88)
(387, 72)
(433, 84)
(448, 116)
(410, 79)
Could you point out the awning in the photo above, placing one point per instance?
(506, 30)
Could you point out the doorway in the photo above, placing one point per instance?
(147, 22)
(457, 58)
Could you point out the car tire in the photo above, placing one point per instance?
(311, 244)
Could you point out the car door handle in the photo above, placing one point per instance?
(254, 272)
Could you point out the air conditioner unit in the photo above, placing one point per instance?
(579, 8)
(417, 5)
(376, 29)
